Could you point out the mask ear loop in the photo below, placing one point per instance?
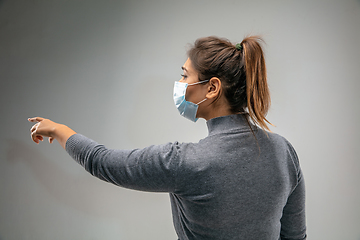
(198, 82)
(201, 101)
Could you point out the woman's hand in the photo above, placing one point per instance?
(47, 128)
(42, 128)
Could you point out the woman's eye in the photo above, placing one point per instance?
(183, 76)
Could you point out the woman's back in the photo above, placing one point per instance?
(227, 189)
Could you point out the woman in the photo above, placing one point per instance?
(240, 182)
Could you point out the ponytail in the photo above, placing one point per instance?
(257, 90)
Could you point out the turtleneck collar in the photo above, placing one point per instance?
(228, 123)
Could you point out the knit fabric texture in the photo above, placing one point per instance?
(233, 184)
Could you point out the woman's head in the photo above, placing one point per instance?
(241, 70)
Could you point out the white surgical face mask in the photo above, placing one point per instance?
(187, 109)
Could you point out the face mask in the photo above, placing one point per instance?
(187, 109)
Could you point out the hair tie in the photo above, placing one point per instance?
(238, 46)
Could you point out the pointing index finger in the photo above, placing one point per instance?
(35, 119)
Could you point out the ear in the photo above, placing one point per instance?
(213, 88)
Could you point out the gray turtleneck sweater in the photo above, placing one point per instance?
(229, 185)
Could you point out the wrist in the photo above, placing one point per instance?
(62, 133)
(61, 130)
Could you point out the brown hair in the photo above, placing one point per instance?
(241, 70)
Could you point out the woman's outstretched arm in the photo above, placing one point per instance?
(47, 128)
(150, 169)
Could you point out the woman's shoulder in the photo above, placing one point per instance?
(284, 145)
(275, 137)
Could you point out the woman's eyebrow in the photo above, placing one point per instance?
(184, 69)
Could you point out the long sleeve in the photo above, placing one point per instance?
(293, 219)
(293, 222)
(148, 169)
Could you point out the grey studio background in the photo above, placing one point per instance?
(107, 69)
